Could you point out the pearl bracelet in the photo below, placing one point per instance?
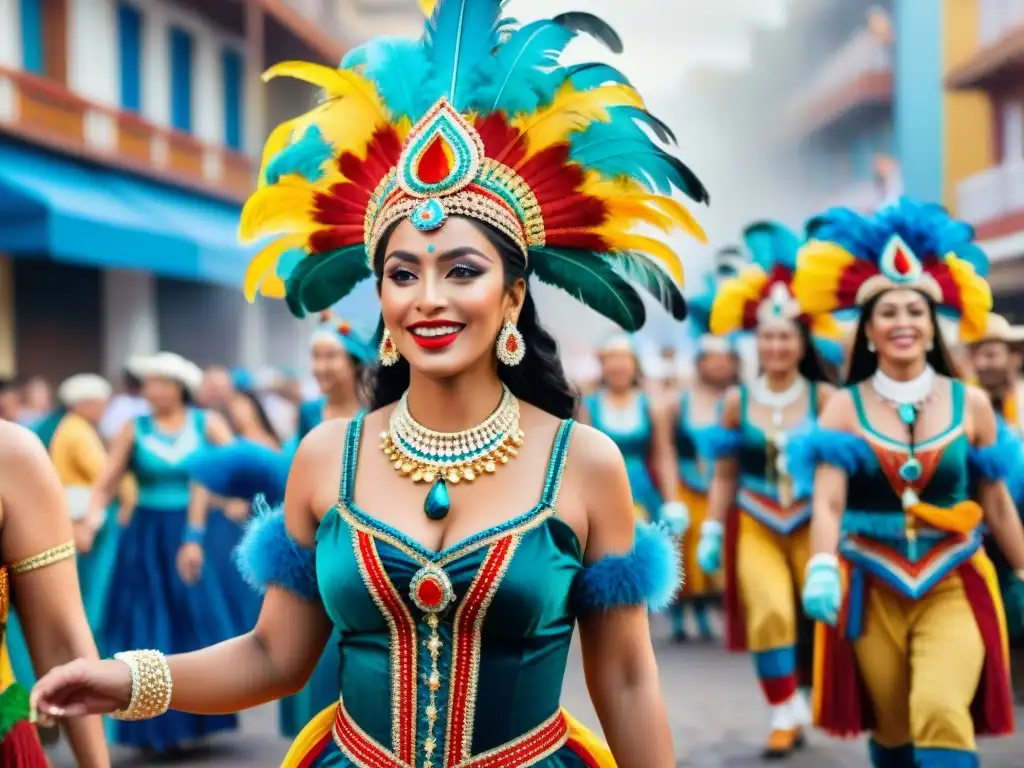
(151, 685)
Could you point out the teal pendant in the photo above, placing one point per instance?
(911, 470)
(908, 414)
(437, 502)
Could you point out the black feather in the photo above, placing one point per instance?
(592, 279)
(658, 126)
(321, 280)
(579, 21)
(591, 75)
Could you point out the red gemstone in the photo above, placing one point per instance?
(510, 343)
(901, 262)
(429, 593)
(433, 166)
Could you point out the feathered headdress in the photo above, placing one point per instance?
(699, 317)
(477, 118)
(762, 291)
(850, 259)
(335, 330)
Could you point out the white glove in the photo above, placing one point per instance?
(676, 517)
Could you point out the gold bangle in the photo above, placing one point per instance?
(43, 559)
(151, 685)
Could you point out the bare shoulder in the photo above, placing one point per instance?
(839, 411)
(326, 438)
(976, 398)
(17, 446)
(593, 453)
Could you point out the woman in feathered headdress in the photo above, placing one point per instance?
(906, 469)
(700, 406)
(765, 537)
(450, 169)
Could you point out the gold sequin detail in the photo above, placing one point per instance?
(151, 685)
(434, 645)
(43, 559)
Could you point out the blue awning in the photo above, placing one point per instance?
(66, 210)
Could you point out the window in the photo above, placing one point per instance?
(181, 79)
(129, 35)
(1013, 132)
(33, 58)
(231, 69)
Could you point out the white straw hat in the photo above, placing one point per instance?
(168, 365)
(82, 387)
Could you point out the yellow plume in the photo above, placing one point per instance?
(975, 298)
(427, 6)
(819, 267)
(622, 195)
(338, 83)
(279, 138)
(729, 306)
(657, 250)
(277, 209)
(264, 264)
(572, 111)
(273, 287)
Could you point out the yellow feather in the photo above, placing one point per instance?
(975, 298)
(819, 266)
(273, 288)
(572, 111)
(680, 215)
(657, 250)
(277, 209)
(338, 83)
(612, 191)
(279, 138)
(631, 210)
(264, 264)
(826, 327)
(728, 308)
(427, 6)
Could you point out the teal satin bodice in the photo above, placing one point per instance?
(160, 461)
(311, 415)
(694, 472)
(477, 674)
(753, 457)
(635, 442)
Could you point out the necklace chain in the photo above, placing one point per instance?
(425, 455)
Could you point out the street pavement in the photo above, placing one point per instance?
(717, 716)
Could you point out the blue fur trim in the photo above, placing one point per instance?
(806, 450)
(999, 461)
(715, 443)
(650, 574)
(240, 470)
(268, 556)
(305, 157)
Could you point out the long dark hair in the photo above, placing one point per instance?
(261, 415)
(811, 366)
(864, 362)
(538, 379)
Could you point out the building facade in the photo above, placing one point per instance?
(129, 137)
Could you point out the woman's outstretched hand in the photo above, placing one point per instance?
(82, 688)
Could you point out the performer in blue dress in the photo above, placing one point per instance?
(161, 595)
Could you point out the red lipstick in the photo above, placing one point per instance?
(435, 341)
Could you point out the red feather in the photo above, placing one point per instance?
(333, 238)
(501, 141)
(583, 239)
(851, 279)
(951, 295)
(574, 209)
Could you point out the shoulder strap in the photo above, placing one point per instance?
(744, 401)
(959, 398)
(858, 404)
(553, 478)
(813, 404)
(684, 408)
(350, 457)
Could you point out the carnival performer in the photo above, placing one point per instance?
(754, 517)
(37, 574)
(717, 368)
(631, 418)
(161, 595)
(444, 563)
(898, 576)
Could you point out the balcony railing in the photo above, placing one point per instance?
(996, 17)
(43, 112)
(863, 56)
(994, 193)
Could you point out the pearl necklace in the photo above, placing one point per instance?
(777, 401)
(426, 456)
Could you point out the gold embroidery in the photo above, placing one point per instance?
(5, 600)
(43, 559)
(550, 736)
(355, 743)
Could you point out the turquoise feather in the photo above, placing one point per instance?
(771, 244)
(585, 77)
(305, 157)
(642, 270)
(460, 38)
(399, 68)
(288, 261)
(523, 78)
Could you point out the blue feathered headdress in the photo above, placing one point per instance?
(341, 332)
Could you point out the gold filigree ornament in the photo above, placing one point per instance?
(432, 592)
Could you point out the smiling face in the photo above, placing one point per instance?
(332, 366)
(444, 298)
(780, 347)
(900, 326)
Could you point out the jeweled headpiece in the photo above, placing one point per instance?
(850, 259)
(478, 119)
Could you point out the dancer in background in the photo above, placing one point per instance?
(717, 368)
(161, 595)
(37, 575)
(754, 516)
(991, 358)
(905, 467)
(468, 541)
(642, 430)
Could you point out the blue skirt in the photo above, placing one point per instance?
(149, 606)
(645, 493)
(321, 691)
(244, 602)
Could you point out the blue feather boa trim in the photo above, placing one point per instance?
(240, 470)
(714, 443)
(1000, 461)
(806, 450)
(267, 556)
(650, 575)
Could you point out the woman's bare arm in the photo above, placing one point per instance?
(48, 599)
(113, 470)
(618, 659)
(663, 447)
(722, 493)
(1000, 511)
(830, 483)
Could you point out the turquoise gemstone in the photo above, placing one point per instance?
(428, 215)
(908, 413)
(911, 470)
(437, 503)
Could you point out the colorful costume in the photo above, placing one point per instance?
(766, 538)
(477, 119)
(918, 589)
(19, 742)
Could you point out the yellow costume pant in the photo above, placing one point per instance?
(770, 568)
(921, 662)
(697, 582)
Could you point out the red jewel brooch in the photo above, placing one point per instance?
(431, 589)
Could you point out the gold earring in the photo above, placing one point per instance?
(387, 351)
(510, 346)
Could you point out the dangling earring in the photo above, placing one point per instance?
(387, 351)
(931, 345)
(871, 346)
(510, 347)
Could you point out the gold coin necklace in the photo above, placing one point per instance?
(439, 458)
